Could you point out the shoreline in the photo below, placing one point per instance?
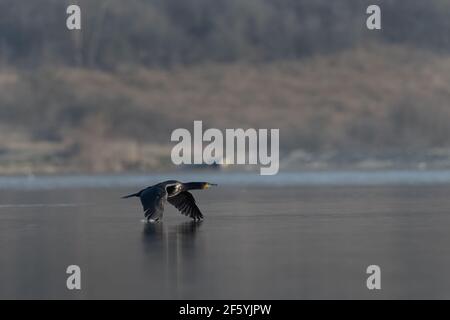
(233, 179)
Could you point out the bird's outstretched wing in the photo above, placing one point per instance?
(185, 203)
(152, 200)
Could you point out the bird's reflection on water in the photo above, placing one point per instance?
(156, 231)
(164, 238)
(171, 251)
(153, 232)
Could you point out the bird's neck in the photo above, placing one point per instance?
(195, 185)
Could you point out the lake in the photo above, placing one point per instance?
(296, 236)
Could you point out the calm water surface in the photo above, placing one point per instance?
(284, 242)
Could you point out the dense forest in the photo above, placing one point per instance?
(106, 98)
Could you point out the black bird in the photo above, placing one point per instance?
(176, 193)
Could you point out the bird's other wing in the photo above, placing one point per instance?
(185, 203)
(152, 200)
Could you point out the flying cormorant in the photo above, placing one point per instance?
(176, 193)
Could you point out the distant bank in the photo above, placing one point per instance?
(243, 179)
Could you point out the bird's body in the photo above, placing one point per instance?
(176, 193)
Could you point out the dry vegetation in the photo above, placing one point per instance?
(378, 98)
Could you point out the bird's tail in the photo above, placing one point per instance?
(131, 195)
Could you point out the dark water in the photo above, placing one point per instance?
(255, 243)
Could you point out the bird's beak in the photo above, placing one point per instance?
(208, 185)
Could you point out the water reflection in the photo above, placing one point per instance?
(188, 229)
(171, 251)
(158, 231)
(153, 232)
(166, 239)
